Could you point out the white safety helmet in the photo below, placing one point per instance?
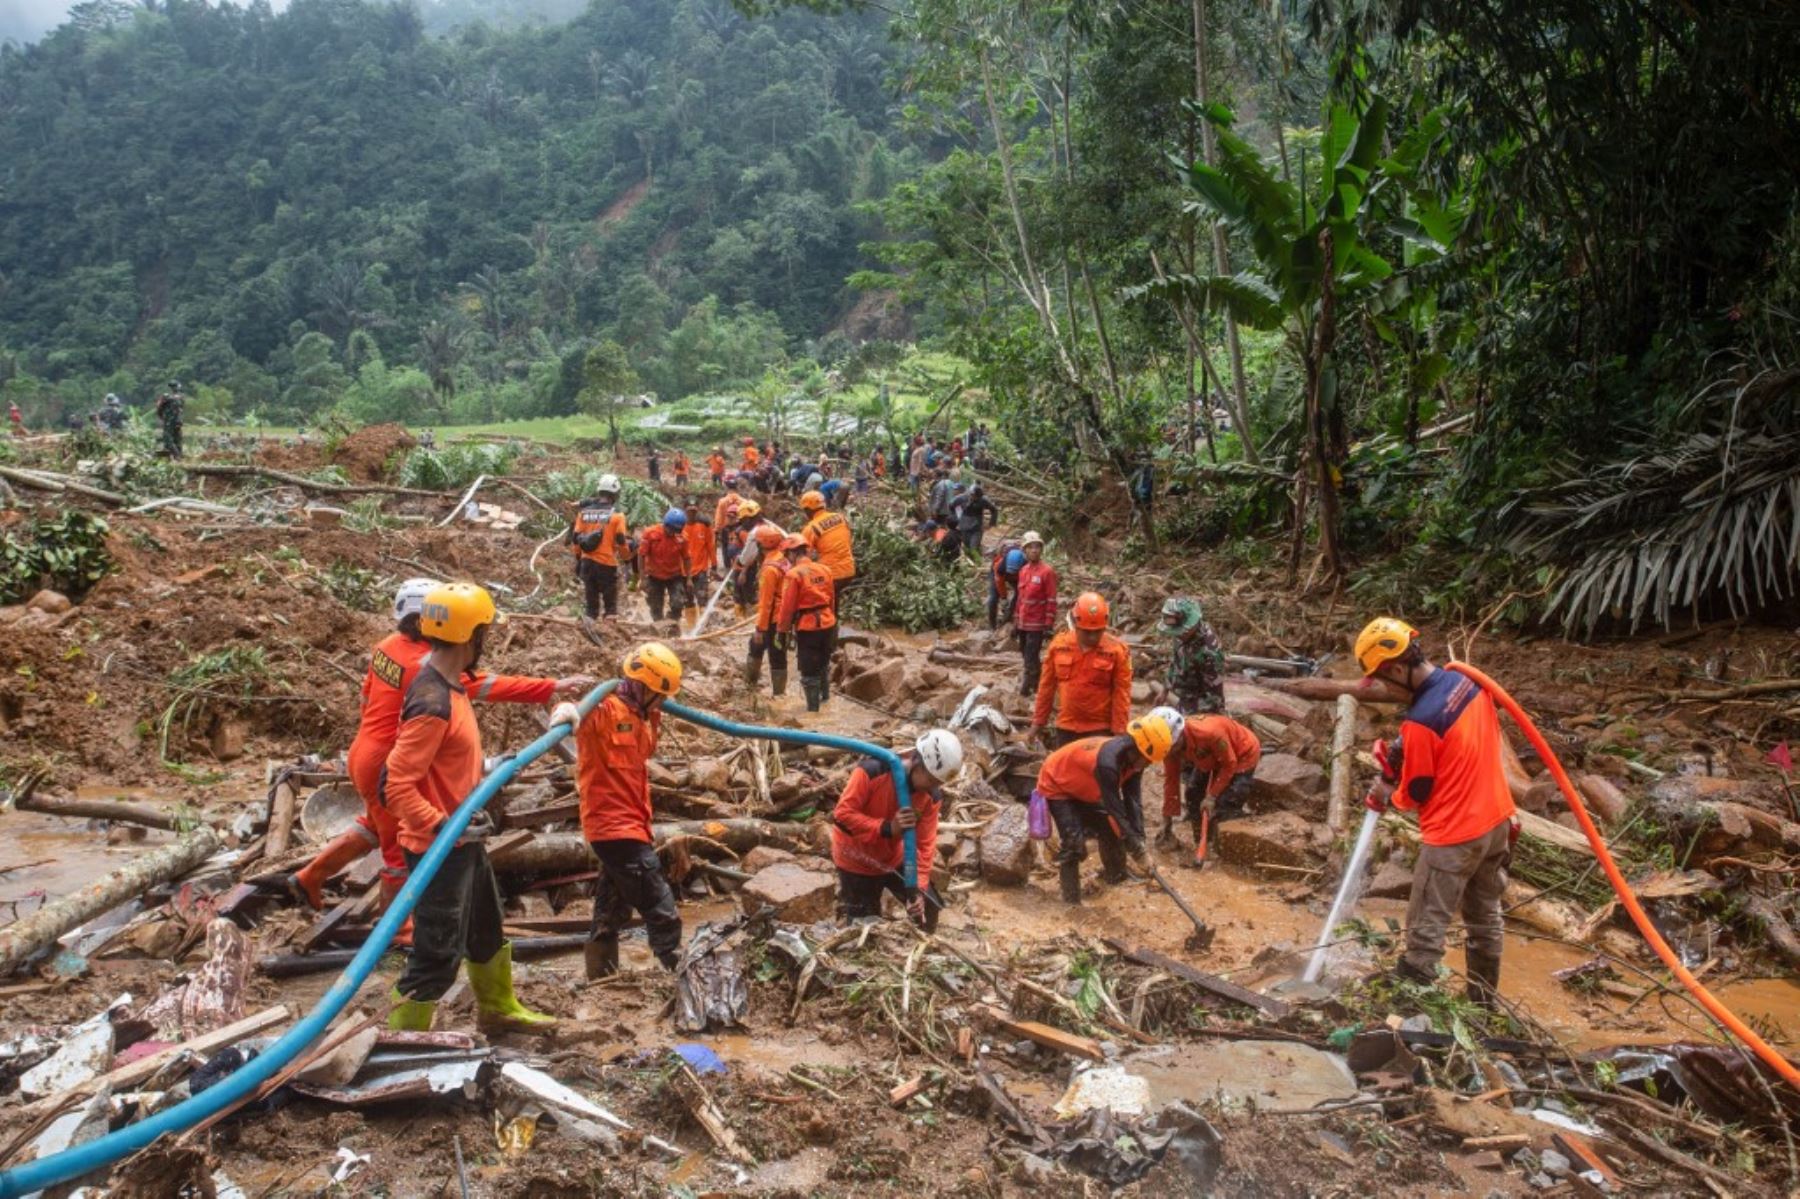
(409, 600)
(940, 753)
(608, 484)
(1173, 718)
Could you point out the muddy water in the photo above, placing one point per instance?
(56, 855)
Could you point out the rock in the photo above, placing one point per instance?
(1006, 854)
(762, 857)
(1541, 797)
(1287, 781)
(878, 682)
(932, 677)
(227, 739)
(798, 895)
(1603, 798)
(710, 774)
(53, 602)
(1274, 838)
(1555, 1164)
(1393, 880)
(1686, 789)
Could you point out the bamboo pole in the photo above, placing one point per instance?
(1343, 748)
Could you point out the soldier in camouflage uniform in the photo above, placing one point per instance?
(168, 410)
(1195, 682)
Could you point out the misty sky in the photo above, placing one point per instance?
(27, 20)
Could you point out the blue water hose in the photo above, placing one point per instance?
(897, 768)
(101, 1152)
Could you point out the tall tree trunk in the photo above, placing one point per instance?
(1209, 149)
(1324, 336)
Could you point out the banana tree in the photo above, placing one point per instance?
(1312, 238)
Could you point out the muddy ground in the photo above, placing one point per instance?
(96, 699)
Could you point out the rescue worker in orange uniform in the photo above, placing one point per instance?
(683, 468)
(742, 552)
(601, 540)
(663, 563)
(434, 765)
(1094, 786)
(1214, 760)
(613, 748)
(725, 516)
(805, 612)
(1088, 680)
(699, 537)
(828, 533)
(752, 457)
(868, 828)
(393, 664)
(765, 640)
(715, 465)
(1446, 766)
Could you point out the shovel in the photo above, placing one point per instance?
(1201, 939)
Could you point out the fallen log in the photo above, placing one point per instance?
(97, 809)
(1343, 750)
(38, 931)
(946, 657)
(236, 471)
(283, 801)
(1280, 667)
(568, 853)
(1367, 691)
(45, 481)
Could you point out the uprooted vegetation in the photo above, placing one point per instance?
(210, 679)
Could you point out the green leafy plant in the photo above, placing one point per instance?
(355, 587)
(447, 468)
(67, 552)
(899, 583)
(234, 673)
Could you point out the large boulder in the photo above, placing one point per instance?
(1272, 839)
(1005, 848)
(1287, 781)
(877, 682)
(799, 894)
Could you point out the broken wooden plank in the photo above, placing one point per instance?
(1506, 1142)
(1049, 1036)
(1268, 1005)
(906, 1090)
(1577, 1149)
(98, 809)
(706, 1113)
(284, 802)
(351, 911)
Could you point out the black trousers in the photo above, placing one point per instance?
(765, 644)
(1031, 652)
(1075, 822)
(459, 916)
(814, 648)
(599, 582)
(859, 896)
(838, 587)
(673, 590)
(631, 879)
(1060, 737)
(1231, 800)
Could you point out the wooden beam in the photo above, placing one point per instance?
(1049, 1037)
(1268, 1005)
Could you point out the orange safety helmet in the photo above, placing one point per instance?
(1090, 611)
(770, 537)
(793, 541)
(812, 501)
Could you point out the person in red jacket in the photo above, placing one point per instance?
(868, 828)
(1095, 786)
(1447, 767)
(613, 748)
(806, 612)
(663, 563)
(699, 538)
(1034, 611)
(435, 763)
(393, 664)
(1214, 758)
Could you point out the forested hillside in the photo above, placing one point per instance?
(329, 204)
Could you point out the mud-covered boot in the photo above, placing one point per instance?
(1112, 862)
(814, 694)
(752, 670)
(825, 687)
(777, 681)
(410, 1015)
(497, 1008)
(1484, 980)
(1068, 877)
(601, 957)
(1165, 839)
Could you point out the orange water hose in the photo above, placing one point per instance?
(1702, 996)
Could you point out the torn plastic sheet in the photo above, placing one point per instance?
(711, 989)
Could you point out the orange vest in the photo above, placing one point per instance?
(662, 554)
(611, 526)
(612, 752)
(681, 466)
(1091, 688)
(829, 534)
(1069, 773)
(806, 598)
(716, 464)
(699, 536)
(768, 597)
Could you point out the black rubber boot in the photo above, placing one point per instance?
(601, 957)
(1068, 877)
(752, 670)
(778, 681)
(810, 686)
(825, 686)
(1112, 862)
(1484, 981)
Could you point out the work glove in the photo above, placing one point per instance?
(481, 827)
(915, 905)
(566, 713)
(1387, 758)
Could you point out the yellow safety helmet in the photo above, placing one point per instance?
(1152, 735)
(1382, 640)
(453, 611)
(812, 501)
(655, 666)
(748, 509)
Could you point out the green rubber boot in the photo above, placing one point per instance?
(411, 1015)
(497, 1009)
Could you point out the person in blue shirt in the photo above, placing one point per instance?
(836, 493)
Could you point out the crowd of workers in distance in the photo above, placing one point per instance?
(110, 418)
(418, 755)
